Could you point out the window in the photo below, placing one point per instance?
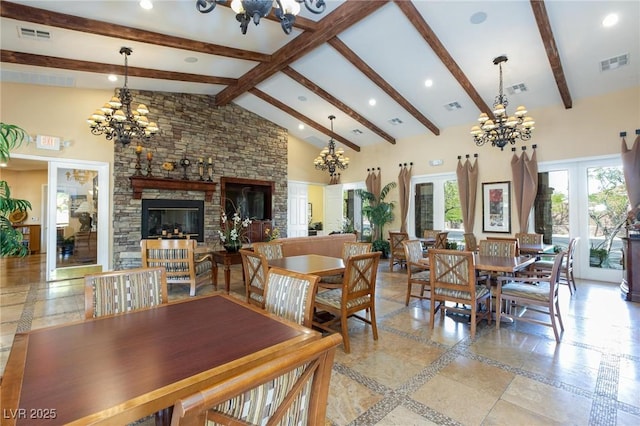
(436, 205)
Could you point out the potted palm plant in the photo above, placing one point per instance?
(11, 136)
(379, 213)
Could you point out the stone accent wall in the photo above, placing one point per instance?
(241, 143)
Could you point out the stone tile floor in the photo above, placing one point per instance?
(415, 376)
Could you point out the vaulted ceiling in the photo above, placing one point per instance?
(336, 62)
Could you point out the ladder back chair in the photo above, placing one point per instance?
(535, 293)
(524, 238)
(118, 292)
(441, 240)
(453, 279)
(396, 254)
(255, 267)
(470, 242)
(290, 295)
(356, 294)
(179, 259)
(501, 248)
(290, 389)
(507, 240)
(270, 250)
(348, 249)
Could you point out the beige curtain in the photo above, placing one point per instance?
(404, 187)
(467, 174)
(525, 185)
(631, 168)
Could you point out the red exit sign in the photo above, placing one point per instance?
(48, 142)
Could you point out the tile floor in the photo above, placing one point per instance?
(415, 376)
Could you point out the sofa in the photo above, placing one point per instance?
(327, 245)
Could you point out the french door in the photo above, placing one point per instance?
(587, 200)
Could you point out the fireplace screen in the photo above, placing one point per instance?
(173, 219)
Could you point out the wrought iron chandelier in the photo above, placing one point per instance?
(503, 129)
(330, 158)
(116, 120)
(248, 10)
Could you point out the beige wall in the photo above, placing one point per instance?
(27, 185)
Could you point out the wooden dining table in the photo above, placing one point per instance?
(536, 248)
(507, 265)
(313, 264)
(118, 369)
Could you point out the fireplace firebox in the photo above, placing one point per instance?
(173, 218)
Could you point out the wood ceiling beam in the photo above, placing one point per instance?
(544, 26)
(351, 56)
(343, 17)
(96, 67)
(273, 101)
(299, 78)
(91, 26)
(413, 15)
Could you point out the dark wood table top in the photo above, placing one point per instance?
(115, 370)
(503, 264)
(313, 264)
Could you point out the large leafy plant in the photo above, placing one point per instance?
(379, 212)
(11, 137)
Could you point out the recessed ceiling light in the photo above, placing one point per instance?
(610, 20)
(428, 82)
(300, 126)
(146, 4)
(478, 18)
(112, 77)
(372, 102)
(191, 59)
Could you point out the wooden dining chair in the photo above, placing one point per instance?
(289, 389)
(523, 294)
(270, 250)
(255, 267)
(430, 233)
(118, 292)
(396, 253)
(290, 295)
(453, 279)
(356, 294)
(441, 240)
(501, 248)
(179, 259)
(348, 249)
(417, 271)
(566, 268)
(533, 239)
(507, 240)
(470, 242)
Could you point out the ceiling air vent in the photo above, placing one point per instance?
(516, 88)
(452, 106)
(356, 132)
(615, 62)
(395, 121)
(35, 78)
(33, 34)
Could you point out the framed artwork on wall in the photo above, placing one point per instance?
(496, 207)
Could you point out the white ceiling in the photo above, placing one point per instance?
(385, 40)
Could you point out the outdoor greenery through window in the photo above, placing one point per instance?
(427, 195)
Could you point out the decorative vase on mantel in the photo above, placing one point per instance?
(233, 246)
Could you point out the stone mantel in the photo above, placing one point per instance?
(139, 183)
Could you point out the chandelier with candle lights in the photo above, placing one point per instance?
(253, 10)
(330, 158)
(502, 129)
(117, 120)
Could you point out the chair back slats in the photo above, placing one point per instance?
(178, 259)
(117, 292)
(360, 276)
(523, 238)
(270, 250)
(290, 295)
(351, 249)
(291, 389)
(501, 248)
(255, 266)
(413, 251)
(441, 240)
(431, 233)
